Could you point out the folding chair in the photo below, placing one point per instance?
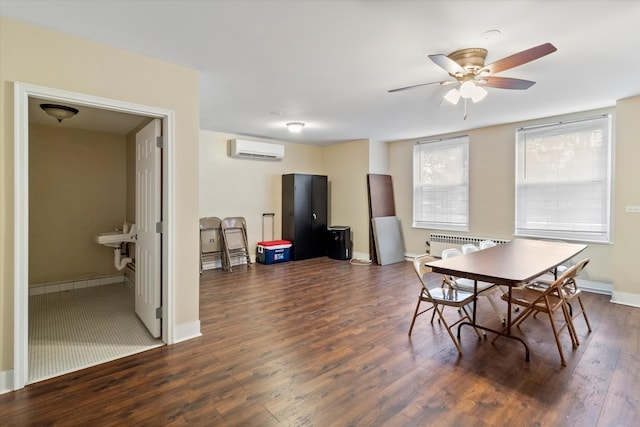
(439, 298)
(549, 301)
(234, 235)
(211, 248)
(570, 291)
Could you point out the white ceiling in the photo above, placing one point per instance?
(330, 63)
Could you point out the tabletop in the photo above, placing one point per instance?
(512, 263)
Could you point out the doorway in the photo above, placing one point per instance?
(21, 282)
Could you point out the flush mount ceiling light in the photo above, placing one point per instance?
(295, 127)
(60, 112)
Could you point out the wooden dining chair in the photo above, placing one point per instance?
(549, 301)
(438, 298)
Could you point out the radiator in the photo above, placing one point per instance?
(440, 242)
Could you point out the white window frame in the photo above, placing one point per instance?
(441, 200)
(571, 199)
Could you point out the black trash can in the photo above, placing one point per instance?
(339, 242)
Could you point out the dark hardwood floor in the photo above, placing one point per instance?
(322, 342)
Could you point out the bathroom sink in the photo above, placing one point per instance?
(115, 238)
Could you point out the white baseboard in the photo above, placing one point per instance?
(595, 287)
(625, 298)
(6, 381)
(186, 332)
(360, 256)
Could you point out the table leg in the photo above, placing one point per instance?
(505, 333)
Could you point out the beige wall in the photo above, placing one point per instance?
(347, 165)
(491, 169)
(625, 254)
(248, 188)
(42, 57)
(378, 157)
(76, 190)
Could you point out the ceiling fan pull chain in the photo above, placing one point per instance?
(465, 109)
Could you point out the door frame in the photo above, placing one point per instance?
(22, 92)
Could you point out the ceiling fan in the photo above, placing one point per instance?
(467, 67)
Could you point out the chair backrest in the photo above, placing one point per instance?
(567, 277)
(570, 286)
(419, 265)
(553, 293)
(234, 222)
(487, 244)
(209, 223)
(581, 265)
(450, 253)
(448, 280)
(233, 231)
(210, 235)
(468, 248)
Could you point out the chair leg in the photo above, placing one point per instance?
(446, 326)
(523, 316)
(495, 308)
(526, 312)
(466, 314)
(584, 313)
(569, 323)
(415, 314)
(563, 362)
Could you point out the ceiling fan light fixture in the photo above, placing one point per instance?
(478, 94)
(467, 89)
(453, 96)
(60, 112)
(295, 127)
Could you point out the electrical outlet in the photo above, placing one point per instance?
(632, 209)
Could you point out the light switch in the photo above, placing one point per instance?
(632, 209)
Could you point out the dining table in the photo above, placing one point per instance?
(511, 264)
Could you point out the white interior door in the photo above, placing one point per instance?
(148, 212)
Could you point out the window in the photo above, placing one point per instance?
(441, 184)
(563, 180)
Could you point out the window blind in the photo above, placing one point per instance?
(441, 184)
(563, 180)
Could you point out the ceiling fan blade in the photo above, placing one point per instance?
(448, 64)
(446, 82)
(506, 83)
(520, 58)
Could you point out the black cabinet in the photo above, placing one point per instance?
(304, 214)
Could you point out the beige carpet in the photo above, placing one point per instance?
(76, 329)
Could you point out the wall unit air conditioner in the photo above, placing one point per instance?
(244, 149)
